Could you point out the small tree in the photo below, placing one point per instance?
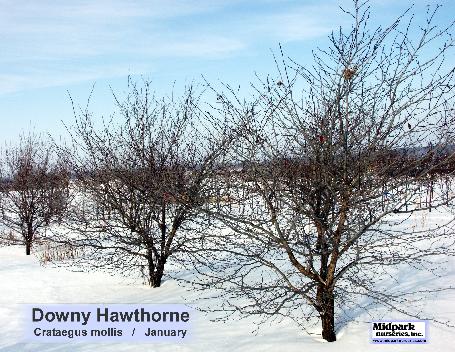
(34, 190)
(327, 176)
(143, 178)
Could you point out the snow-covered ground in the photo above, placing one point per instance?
(24, 280)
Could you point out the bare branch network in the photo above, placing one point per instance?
(299, 201)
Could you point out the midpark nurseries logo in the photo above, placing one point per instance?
(112, 322)
(402, 332)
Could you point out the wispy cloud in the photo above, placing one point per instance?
(47, 43)
(298, 22)
(43, 78)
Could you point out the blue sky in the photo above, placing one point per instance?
(49, 48)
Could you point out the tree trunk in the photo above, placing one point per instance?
(158, 275)
(327, 313)
(156, 271)
(328, 323)
(28, 238)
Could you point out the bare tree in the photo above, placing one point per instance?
(34, 189)
(327, 179)
(142, 178)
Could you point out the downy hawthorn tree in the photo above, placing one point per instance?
(330, 161)
(34, 189)
(142, 178)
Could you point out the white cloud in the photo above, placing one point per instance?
(301, 22)
(206, 47)
(33, 79)
(59, 42)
